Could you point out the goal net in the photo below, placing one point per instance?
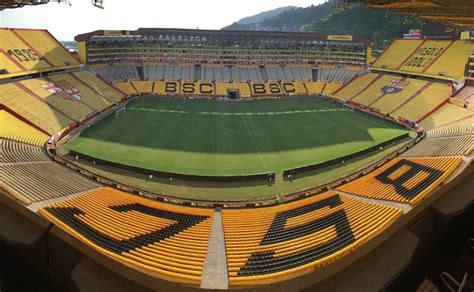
(345, 105)
(119, 112)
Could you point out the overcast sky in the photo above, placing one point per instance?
(65, 22)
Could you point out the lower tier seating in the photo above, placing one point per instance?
(337, 74)
(11, 152)
(448, 113)
(208, 88)
(272, 244)
(166, 240)
(87, 95)
(126, 87)
(54, 93)
(15, 129)
(99, 86)
(31, 182)
(466, 93)
(409, 98)
(444, 146)
(404, 180)
(32, 108)
(460, 128)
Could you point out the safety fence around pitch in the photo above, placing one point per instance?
(342, 159)
(163, 174)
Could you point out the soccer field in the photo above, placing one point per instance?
(206, 137)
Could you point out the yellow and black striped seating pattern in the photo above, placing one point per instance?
(169, 241)
(404, 180)
(277, 243)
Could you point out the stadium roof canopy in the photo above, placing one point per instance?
(456, 12)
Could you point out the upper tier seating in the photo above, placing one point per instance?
(436, 58)
(38, 181)
(165, 240)
(11, 152)
(26, 50)
(271, 244)
(404, 180)
(32, 108)
(15, 129)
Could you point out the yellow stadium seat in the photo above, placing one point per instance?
(15, 129)
(402, 180)
(277, 243)
(33, 108)
(173, 239)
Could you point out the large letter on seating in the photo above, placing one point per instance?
(266, 262)
(171, 87)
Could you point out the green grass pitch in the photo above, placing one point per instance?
(206, 137)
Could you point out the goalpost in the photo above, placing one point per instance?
(120, 111)
(344, 104)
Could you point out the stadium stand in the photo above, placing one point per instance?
(143, 86)
(126, 87)
(81, 91)
(448, 146)
(47, 46)
(461, 127)
(11, 152)
(396, 54)
(100, 87)
(440, 59)
(118, 73)
(446, 114)
(409, 98)
(14, 129)
(281, 242)
(61, 95)
(357, 86)
(28, 50)
(330, 88)
(314, 87)
(178, 46)
(424, 102)
(466, 93)
(33, 108)
(337, 74)
(223, 88)
(169, 241)
(404, 180)
(37, 181)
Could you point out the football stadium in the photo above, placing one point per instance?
(166, 159)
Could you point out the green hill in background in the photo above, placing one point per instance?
(375, 25)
